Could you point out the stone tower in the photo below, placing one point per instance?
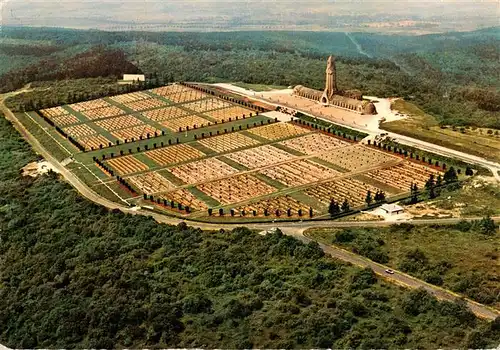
(331, 81)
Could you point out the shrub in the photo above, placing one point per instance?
(344, 236)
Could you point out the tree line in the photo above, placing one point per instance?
(94, 63)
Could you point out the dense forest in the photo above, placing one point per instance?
(50, 94)
(451, 76)
(75, 275)
(97, 62)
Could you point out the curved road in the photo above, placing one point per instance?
(293, 229)
(405, 280)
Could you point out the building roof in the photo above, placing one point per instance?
(390, 208)
(348, 100)
(307, 91)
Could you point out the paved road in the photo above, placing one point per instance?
(295, 229)
(405, 280)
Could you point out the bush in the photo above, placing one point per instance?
(194, 304)
(482, 294)
(486, 226)
(403, 227)
(414, 261)
(417, 301)
(344, 236)
(363, 279)
(433, 278)
(459, 310)
(378, 255)
(463, 225)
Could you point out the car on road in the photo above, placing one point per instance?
(389, 271)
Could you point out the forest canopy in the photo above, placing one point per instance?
(96, 62)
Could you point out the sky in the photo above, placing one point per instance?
(210, 14)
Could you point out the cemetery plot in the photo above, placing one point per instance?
(186, 96)
(280, 204)
(403, 175)
(259, 157)
(168, 90)
(203, 170)
(222, 115)
(143, 105)
(207, 105)
(174, 154)
(167, 113)
(180, 124)
(54, 112)
(279, 182)
(299, 172)
(279, 131)
(65, 120)
(356, 157)
(185, 198)
(94, 142)
(78, 131)
(85, 106)
(314, 143)
(353, 191)
(121, 122)
(131, 97)
(236, 189)
(127, 165)
(228, 142)
(136, 133)
(151, 183)
(105, 112)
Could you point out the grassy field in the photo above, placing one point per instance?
(466, 262)
(425, 127)
(477, 197)
(90, 174)
(47, 136)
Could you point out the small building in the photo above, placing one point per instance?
(132, 78)
(392, 209)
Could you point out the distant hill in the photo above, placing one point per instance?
(215, 15)
(452, 76)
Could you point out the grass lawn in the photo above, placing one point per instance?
(425, 127)
(232, 163)
(466, 262)
(89, 174)
(120, 190)
(104, 191)
(47, 135)
(211, 202)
